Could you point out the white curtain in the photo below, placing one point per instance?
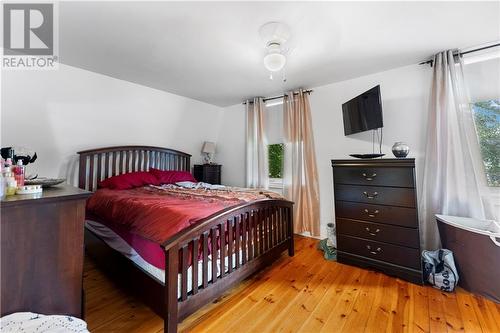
(257, 169)
(454, 181)
(300, 174)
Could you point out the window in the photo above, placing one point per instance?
(487, 119)
(275, 152)
(275, 148)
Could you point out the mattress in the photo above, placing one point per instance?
(116, 242)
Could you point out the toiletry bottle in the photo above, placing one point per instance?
(19, 170)
(2, 182)
(10, 183)
(8, 165)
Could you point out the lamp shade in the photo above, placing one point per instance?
(274, 61)
(208, 147)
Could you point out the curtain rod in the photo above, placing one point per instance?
(280, 96)
(431, 61)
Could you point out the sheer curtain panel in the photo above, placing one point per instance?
(300, 174)
(257, 168)
(454, 180)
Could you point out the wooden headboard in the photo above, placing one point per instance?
(102, 163)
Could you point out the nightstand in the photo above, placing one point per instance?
(208, 173)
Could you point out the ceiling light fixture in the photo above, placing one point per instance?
(275, 36)
(274, 60)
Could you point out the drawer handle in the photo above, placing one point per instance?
(372, 214)
(370, 196)
(377, 251)
(369, 178)
(372, 233)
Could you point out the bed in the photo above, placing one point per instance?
(203, 259)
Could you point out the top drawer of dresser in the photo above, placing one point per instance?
(379, 176)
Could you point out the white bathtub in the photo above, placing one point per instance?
(476, 248)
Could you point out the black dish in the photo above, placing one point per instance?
(366, 155)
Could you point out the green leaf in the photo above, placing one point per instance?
(487, 119)
(275, 152)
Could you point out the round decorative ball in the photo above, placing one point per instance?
(400, 149)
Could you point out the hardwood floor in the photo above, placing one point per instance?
(302, 294)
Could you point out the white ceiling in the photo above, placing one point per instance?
(212, 52)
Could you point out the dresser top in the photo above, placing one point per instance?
(380, 162)
(208, 165)
(50, 194)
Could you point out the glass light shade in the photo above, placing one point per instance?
(274, 61)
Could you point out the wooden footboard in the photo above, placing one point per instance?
(252, 236)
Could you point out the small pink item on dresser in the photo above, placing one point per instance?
(19, 171)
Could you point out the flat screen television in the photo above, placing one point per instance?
(364, 112)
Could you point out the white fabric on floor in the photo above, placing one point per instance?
(29, 322)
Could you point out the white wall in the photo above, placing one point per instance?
(404, 92)
(405, 99)
(231, 145)
(57, 113)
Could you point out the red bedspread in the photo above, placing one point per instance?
(158, 213)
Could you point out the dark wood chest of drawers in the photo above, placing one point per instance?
(376, 216)
(42, 251)
(208, 173)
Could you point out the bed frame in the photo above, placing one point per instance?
(259, 232)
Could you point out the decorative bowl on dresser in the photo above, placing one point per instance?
(376, 216)
(207, 173)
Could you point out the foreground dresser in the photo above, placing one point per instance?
(376, 216)
(42, 252)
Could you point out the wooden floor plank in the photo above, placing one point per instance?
(391, 305)
(375, 303)
(409, 318)
(436, 311)
(488, 321)
(356, 321)
(319, 316)
(378, 317)
(470, 320)
(494, 309)
(237, 294)
(421, 322)
(454, 320)
(340, 313)
(298, 312)
(274, 279)
(401, 311)
(136, 321)
(266, 298)
(283, 298)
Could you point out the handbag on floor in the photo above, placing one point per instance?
(440, 269)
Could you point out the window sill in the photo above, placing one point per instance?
(276, 183)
